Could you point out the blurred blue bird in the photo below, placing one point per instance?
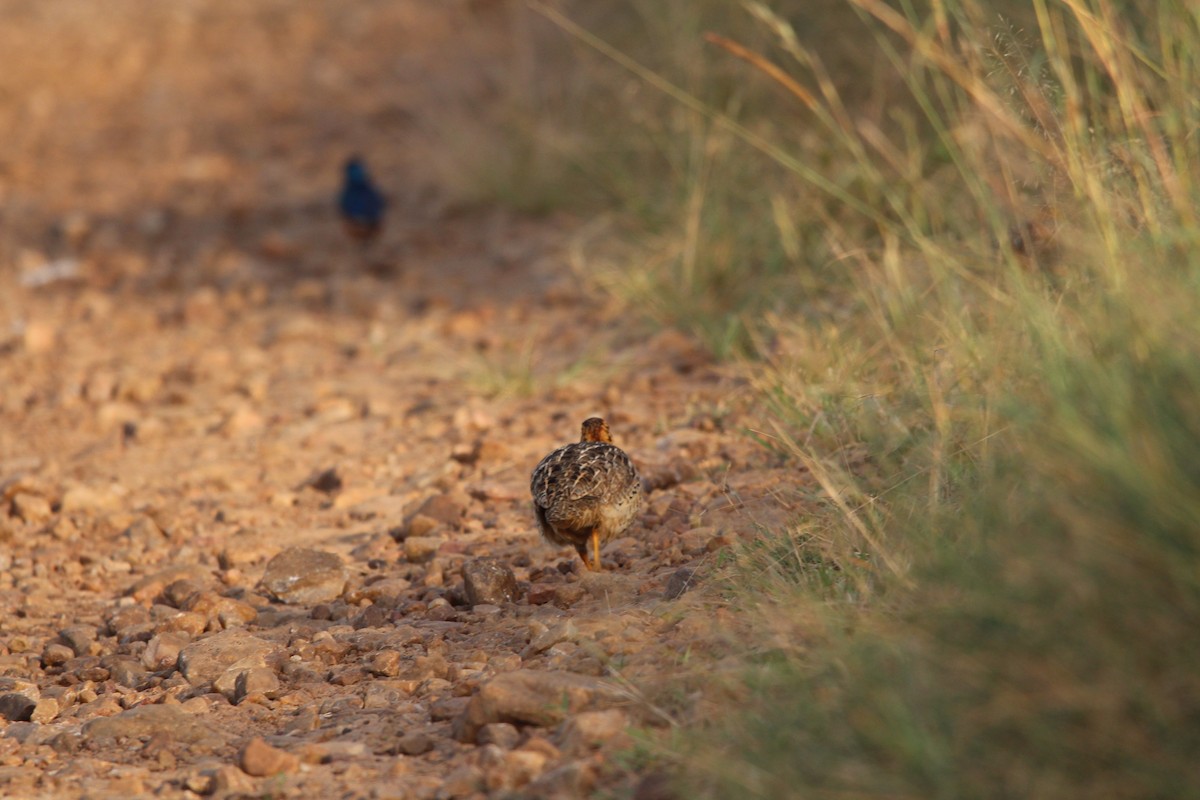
(360, 203)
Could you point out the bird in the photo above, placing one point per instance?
(586, 492)
(360, 202)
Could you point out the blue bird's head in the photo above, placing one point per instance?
(356, 170)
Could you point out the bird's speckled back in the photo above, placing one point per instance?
(585, 487)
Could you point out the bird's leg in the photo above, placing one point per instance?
(583, 555)
(596, 550)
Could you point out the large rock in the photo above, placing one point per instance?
(302, 576)
(486, 580)
(203, 661)
(534, 698)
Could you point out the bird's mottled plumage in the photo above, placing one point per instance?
(588, 491)
(360, 202)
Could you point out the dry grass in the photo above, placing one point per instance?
(969, 288)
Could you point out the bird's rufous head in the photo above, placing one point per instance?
(595, 430)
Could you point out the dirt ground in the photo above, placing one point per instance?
(199, 372)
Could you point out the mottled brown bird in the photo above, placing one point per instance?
(588, 491)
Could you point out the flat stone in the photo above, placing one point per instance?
(55, 654)
(261, 759)
(568, 594)
(329, 752)
(256, 681)
(123, 620)
(655, 785)
(534, 697)
(495, 491)
(422, 548)
(502, 734)
(176, 593)
(414, 744)
(719, 542)
(153, 585)
(386, 663)
(387, 592)
(105, 706)
(245, 547)
(380, 694)
(128, 672)
(145, 532)
(371, 617)
(79, 638)
(323, 480)
(611, 587)
(148, 721)
(227, 682)
(45, 710)
(573, 779)
(86, 498)
(541, 593)
(163, 650)
(225, 611)
(40, 336)
(87, 668)
(589, 729)
(304, 576)
(447, 708)
(522, 766)
(24, 732)
(19, 686)
(421, 525)
(379, 507)
(306, 719)
(183, 622)
(16, 707)
(203, 661)
(203, 782)
(680, 581)
(466, 781)
(488, 580)
(447, 509)
(31, 508)
(229, 781)
(542, 638)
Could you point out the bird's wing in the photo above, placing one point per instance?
(583, 470)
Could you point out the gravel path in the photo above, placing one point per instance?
(264, 498)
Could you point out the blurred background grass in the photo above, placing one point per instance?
(953, 245)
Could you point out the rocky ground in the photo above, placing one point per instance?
(264, 494)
